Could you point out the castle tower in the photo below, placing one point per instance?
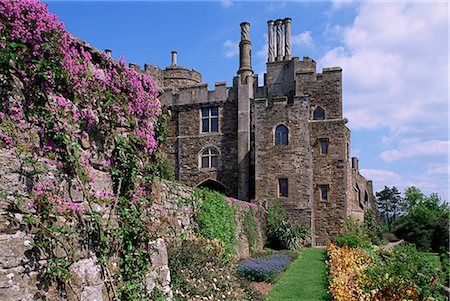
(245, 93)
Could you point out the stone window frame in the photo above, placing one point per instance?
(279, 192)
(319, 142)
(209, 156)
(320, 189)
(274, 131)
(209, 118)
(314, 113)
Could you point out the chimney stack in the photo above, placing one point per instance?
(279, 24)
(174, 58)
(287, 38)
(279, 29)
(271, 49)
(245, 49)
(355, 163)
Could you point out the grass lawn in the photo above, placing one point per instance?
(304, 280)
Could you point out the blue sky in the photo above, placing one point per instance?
(394, 57)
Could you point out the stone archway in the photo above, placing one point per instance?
(213, 185)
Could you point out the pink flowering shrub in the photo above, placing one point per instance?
(66, 85)
(80, 111)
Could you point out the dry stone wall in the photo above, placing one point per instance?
(21, 267)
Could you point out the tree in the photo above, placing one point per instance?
(426, 222)
(390, 204)
(413, 196)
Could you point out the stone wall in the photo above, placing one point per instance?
(188, 142)
(329, 169)
(21, 266)
(292, 161)
(175, 205)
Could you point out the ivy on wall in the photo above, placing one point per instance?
(215, 217)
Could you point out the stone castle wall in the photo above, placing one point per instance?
(21, 266)
(291, 161)
(329, 169)
(190, 142)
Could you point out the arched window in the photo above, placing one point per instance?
(319, 113)
(281, 135)
(209, 158)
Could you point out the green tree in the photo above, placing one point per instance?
(412, 197)
(426, 220)
(390, 204)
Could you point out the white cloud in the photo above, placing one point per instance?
(272, 7)
(226, 3)
(303, 39)
(395, 65)
(438, 170)
(412, 148)
(231, 48)
(430, 181)
(381, 176)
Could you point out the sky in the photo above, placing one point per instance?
(394, 56)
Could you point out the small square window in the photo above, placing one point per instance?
(210, 119)
(324, 189)
(323, 146)
(283, 187)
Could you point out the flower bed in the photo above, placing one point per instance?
(398, 274)
(346, 273)
(264, 268)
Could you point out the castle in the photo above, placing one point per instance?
(286, 140)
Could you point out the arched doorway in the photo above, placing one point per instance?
(213, 185)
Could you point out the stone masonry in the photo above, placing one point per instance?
(310, 172)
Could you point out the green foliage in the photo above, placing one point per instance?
(281, 233)
(445, 266)
(394, 272)
(426, 223)
(250, 228)
(372, 228)
(349, 240)
(215, 217)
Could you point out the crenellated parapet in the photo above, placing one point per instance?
(195, 94)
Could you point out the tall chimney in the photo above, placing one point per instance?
(355, 163)
(245, 50)
(287, 38)
(174, 58)
(271, 55)
(279, 24)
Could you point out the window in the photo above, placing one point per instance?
(210, 119)
(283, 187)
(281, 135)
(323, 143)
(210, 158)
(324, 189)
(366, 198)
(319, 114)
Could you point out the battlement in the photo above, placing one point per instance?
(197, 94)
